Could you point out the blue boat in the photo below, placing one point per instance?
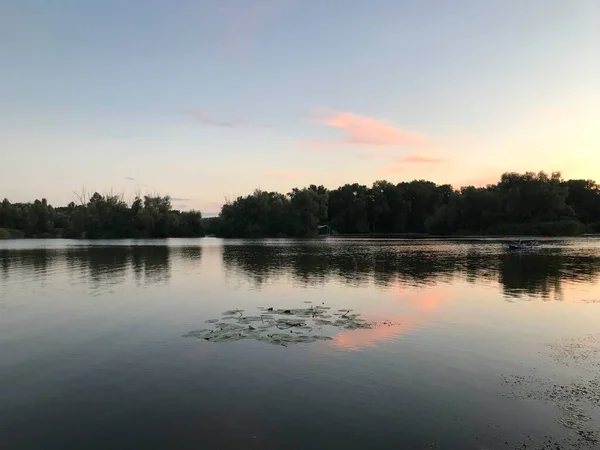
(523, 246)
(517, 246)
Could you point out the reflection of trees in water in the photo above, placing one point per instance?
(538, 273)
(255, 261)
(5, 266)
(100, 266)
(190, 253)
(151, 264)
(355, 264)
(542, 274)
(35, 263)
(534, 274)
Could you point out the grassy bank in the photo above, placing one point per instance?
(7, 233)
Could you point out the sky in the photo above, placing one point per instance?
(207, 100)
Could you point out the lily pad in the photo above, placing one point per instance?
(249, 319)
(198, 333)
(229, 327)
(291, 322)
(229, 336)
(280, 326)
(323, 322)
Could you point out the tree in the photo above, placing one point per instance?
(308, 207)
(584, 199)
(529, 203)
(348, 209)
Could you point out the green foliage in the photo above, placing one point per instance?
(101, 217)
(519, 204)
(212, 225)
(527, 203)
(6, 233)
(584, 199)
(270, 214)
(530, 203)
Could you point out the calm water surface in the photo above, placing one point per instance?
(474, 347)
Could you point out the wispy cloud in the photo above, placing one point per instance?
(420, 158)
(207, 119)
(180, 199)
(130, 178)
(403, 163)
(369, 131)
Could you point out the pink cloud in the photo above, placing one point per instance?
(362, 130)
(420, 158)
(400, 165)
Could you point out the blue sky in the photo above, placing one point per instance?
(206, 100)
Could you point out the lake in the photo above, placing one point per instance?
(461, 344)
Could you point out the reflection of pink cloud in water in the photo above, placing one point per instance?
(425, 303)
(356, 339)
(430, 302)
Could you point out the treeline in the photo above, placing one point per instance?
(99, 217)
(271, 214)
(529, 203)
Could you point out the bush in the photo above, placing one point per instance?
(7, 233)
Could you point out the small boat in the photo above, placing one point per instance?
(514, 246)
(523, 245)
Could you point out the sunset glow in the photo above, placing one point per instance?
(204, 101)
